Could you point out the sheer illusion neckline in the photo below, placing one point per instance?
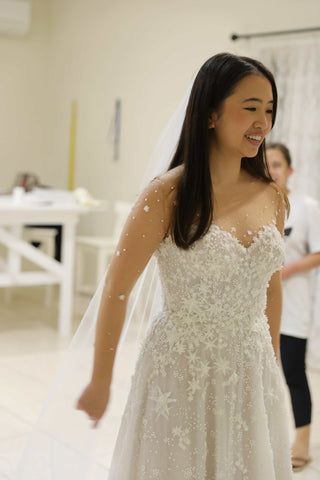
(255, 237)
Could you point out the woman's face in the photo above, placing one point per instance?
(245, 118)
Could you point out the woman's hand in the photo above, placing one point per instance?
(94, 400)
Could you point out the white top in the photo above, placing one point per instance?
(302, 236)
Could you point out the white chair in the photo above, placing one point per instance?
(102, 247)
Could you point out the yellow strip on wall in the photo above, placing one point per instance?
(72, 145)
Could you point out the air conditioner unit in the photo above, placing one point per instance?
(15, 17)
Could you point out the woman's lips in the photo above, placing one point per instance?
(254, 139)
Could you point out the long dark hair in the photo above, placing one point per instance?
(215, 82)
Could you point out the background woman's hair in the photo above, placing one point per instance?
(216, 80)
(283, 149)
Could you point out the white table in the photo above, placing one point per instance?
(12, 219)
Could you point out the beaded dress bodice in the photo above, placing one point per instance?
(219, 276)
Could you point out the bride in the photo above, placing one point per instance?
(206, 400)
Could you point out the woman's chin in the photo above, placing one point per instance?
(250, 154)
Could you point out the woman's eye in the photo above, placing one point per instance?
(253, 109)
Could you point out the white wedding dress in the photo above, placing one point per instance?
(207, 398)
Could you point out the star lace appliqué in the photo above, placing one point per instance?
(162, 402)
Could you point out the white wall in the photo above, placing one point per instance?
(24, 114)
(144, 52)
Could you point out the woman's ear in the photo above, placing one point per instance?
(211, 121)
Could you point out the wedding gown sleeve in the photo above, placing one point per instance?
(145, 228)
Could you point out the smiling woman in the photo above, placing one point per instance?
(207, 398)
(232, 99)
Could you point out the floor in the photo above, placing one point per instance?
(30, 351)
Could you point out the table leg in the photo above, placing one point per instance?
(13, 262)
(66, 286)
(14, 259)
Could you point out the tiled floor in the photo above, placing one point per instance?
(29, 354)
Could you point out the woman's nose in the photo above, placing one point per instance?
(262, 121)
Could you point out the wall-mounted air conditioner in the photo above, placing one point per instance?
(15, 17)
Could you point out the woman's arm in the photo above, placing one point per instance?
(274, 310)
(144, 230)
(274, 292)
(308, 262)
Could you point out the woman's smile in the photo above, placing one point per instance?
(255, 140)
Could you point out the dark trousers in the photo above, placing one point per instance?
(293, 354)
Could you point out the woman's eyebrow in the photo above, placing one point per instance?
(254, 99)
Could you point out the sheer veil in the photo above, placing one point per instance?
(63, 445)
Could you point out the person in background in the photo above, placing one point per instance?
(302, 240)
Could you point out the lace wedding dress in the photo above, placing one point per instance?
(207, 399)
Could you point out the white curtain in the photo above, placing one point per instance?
(295, 63)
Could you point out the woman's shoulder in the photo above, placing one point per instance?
(268, 193)
(161, 191)
(275, 195)
(274, 189)
(168, 181)
(172, 177)
(279, 195)
(270, 189)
